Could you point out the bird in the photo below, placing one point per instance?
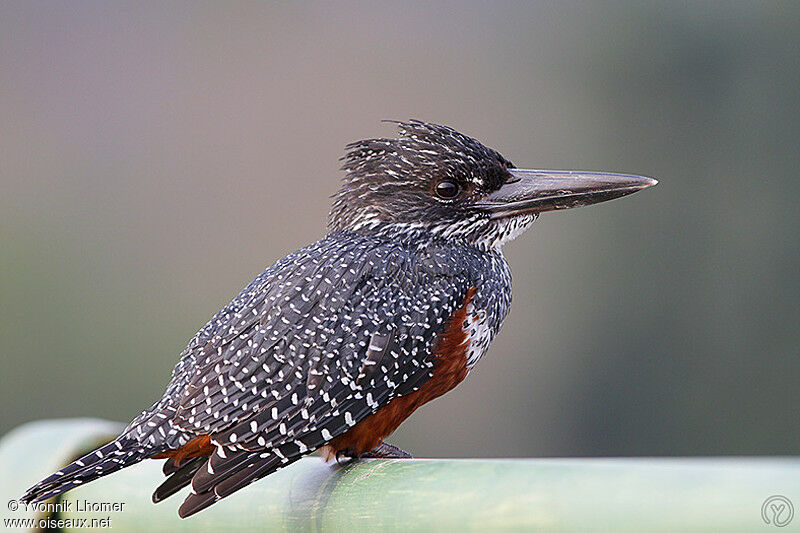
(332, 347)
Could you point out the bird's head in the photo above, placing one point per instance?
(435, 178)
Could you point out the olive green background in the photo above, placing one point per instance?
(156, 157)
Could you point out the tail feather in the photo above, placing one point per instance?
(245, 477)
(250, 467)
(170, 467)
(104, 460)
(220, 463)
(178, 478)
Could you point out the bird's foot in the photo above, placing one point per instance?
(385, 450)
(344, 457)
(381, 451)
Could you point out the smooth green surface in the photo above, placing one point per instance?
(592, 494)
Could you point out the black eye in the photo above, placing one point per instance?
(447, 190)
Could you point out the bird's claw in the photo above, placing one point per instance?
(346, 455)
(385, 450)
(381, 451)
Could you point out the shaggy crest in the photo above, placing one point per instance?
(391, 180)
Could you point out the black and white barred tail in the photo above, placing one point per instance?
(105, 460)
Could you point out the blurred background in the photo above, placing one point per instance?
(155, 158)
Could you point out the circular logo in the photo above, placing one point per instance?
(777, 510)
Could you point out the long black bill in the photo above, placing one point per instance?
(535, 191)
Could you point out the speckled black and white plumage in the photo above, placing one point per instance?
(334, 331)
